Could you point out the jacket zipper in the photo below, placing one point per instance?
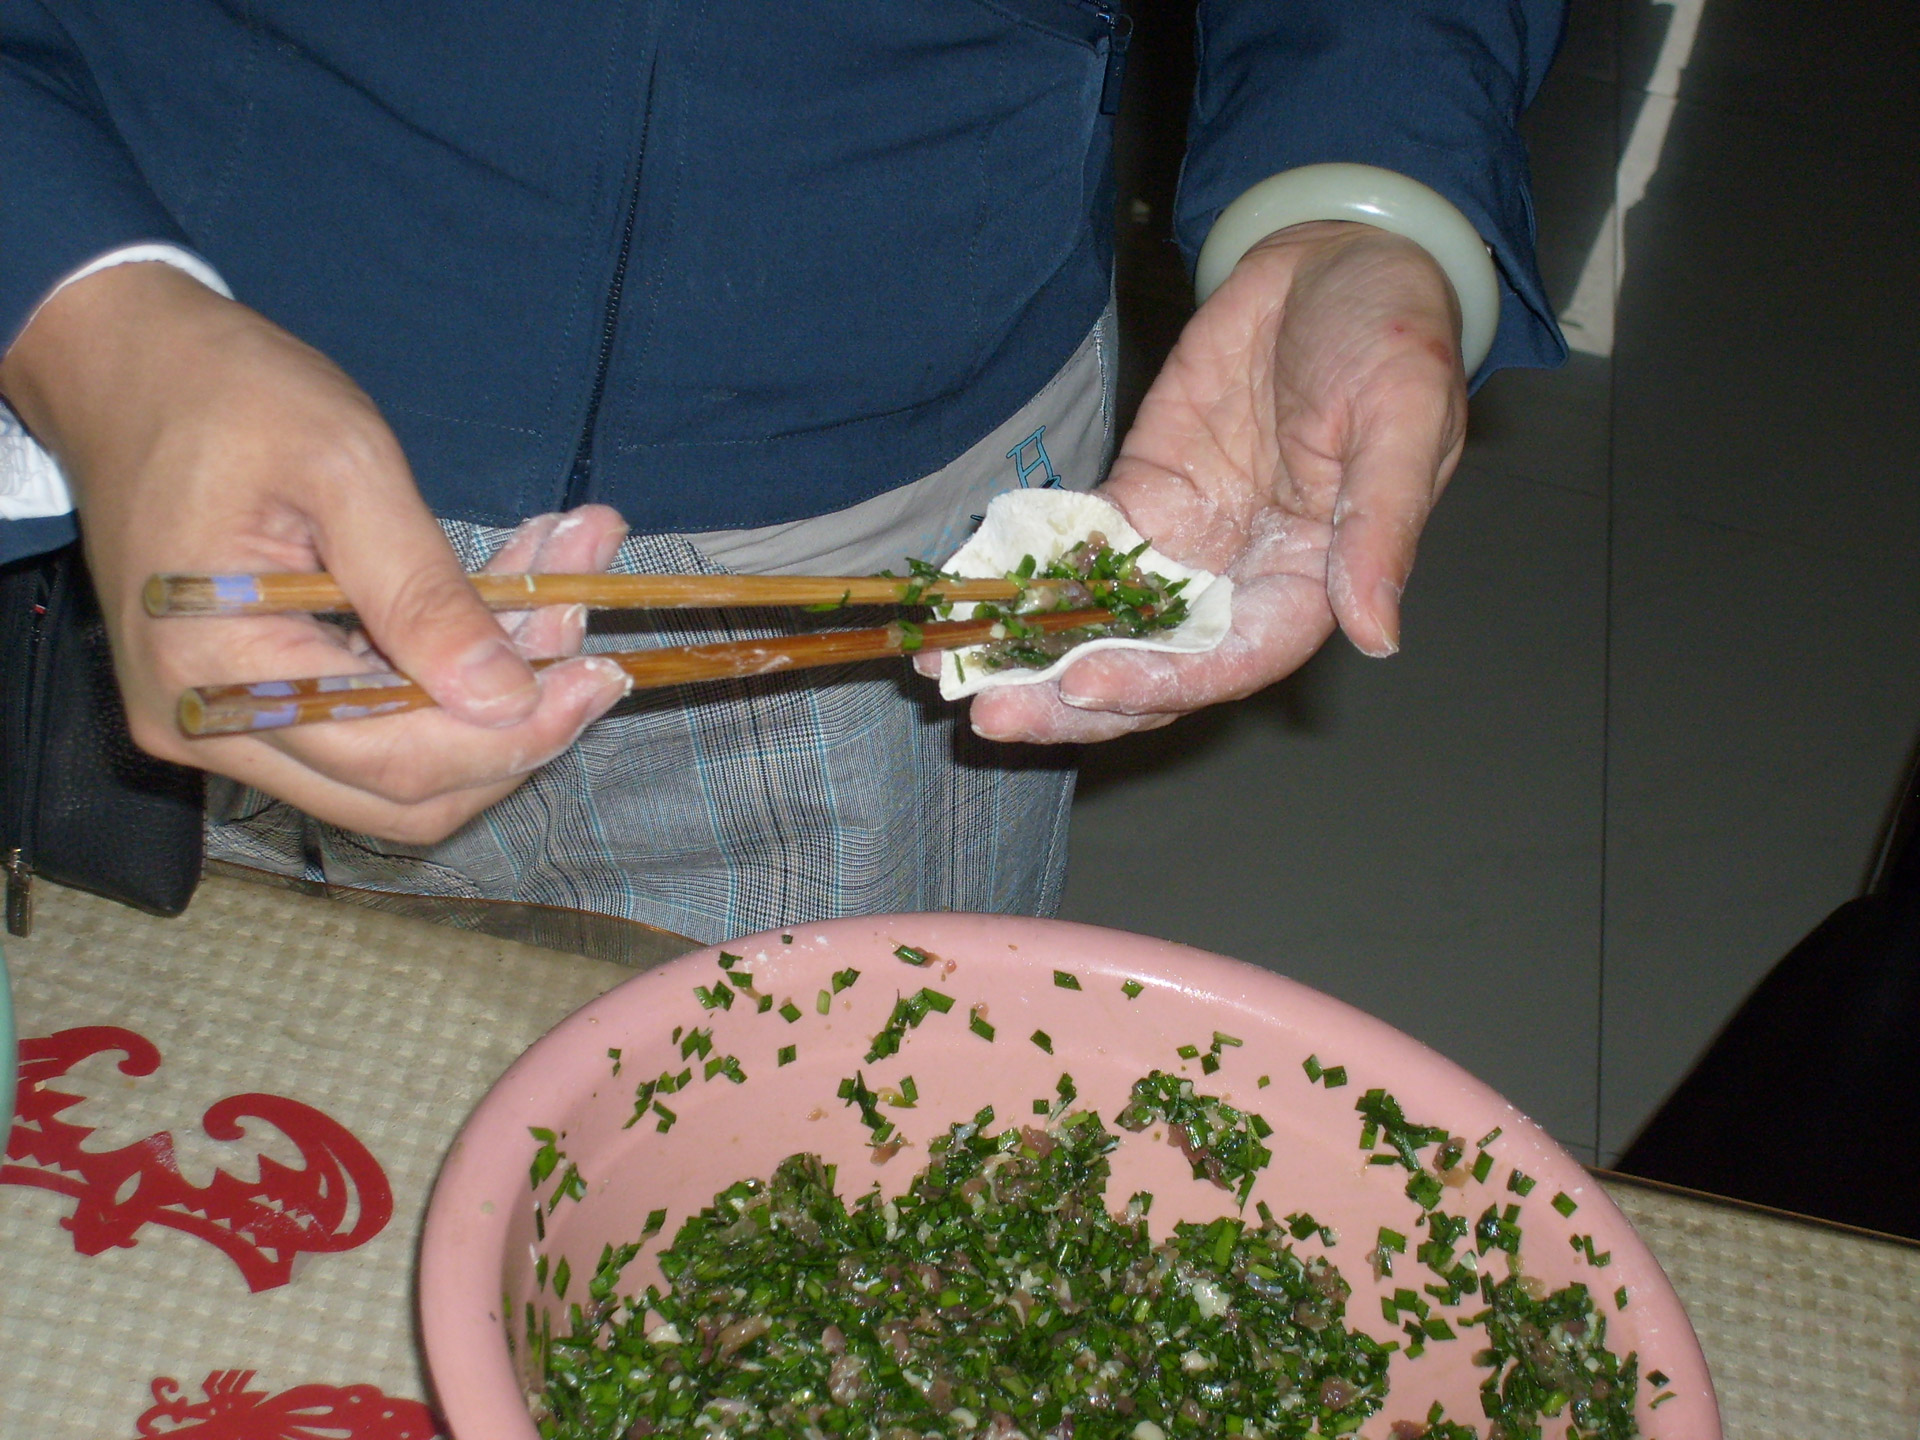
(1119, 36)
(581, 472)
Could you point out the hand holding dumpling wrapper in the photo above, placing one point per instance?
(1045, 525)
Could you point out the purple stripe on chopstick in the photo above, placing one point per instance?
(236, 589)
(374, 680)
(277, 719)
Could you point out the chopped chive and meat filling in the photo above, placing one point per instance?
(1093, 575)
(1001, 1298)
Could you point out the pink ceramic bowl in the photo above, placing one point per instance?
(477, 1276)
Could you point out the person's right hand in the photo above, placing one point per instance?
(198, 437)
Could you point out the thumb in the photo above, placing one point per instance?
(390, 557)
(1391, 480)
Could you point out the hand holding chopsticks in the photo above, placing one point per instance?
(275, 704)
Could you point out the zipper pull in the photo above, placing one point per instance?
(1119, 37)
(19, 894)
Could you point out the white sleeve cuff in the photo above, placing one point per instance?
(1385, 199)
(31, 483)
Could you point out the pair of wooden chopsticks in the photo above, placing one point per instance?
(275, 704)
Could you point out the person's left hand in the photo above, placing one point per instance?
(1296, 440)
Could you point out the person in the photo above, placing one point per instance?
(778, 289)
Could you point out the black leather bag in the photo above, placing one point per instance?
(80, 805)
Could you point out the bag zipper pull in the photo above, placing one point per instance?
(19, 894)
(1119, 37)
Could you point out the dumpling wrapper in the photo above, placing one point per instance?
(1046, 524)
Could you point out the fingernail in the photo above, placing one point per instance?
(1386, 614)
(493, 674)
(610, 670)
(609, 549)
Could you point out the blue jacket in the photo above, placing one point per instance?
(717, 263)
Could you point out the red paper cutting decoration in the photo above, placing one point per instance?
(260, 1226)
(232, 1411)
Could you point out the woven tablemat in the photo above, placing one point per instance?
(1808, 1330)
(229, 1124)
(227, 1130)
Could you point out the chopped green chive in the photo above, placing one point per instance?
(1263, 1082)
(843, 978)
(562, 1277)
(824, 1003)
(1488, 1138)
(1301, 1226)
(545, 1158)
(788, 1054)
(642, 1098)
(1066, 981)
(1424, 1190)
(572, 1186)
(727, 962)
(1314, 1071)
(1522, 1184)
(1482, 1166)
(1620, 1298)
(1584, 1245)
(912, 955)
(1188, 1052)
(1220, 1040)
(977, 1023)
(1335, 1077)
(907, 1015)
(1131, 989)
(789, 1012)
(1043, 1040)
(1566, 1205)
(667, 1117)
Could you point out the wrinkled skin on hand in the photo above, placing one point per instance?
(1296, 440)
(199, 437)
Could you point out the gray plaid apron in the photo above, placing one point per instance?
(734, 806)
